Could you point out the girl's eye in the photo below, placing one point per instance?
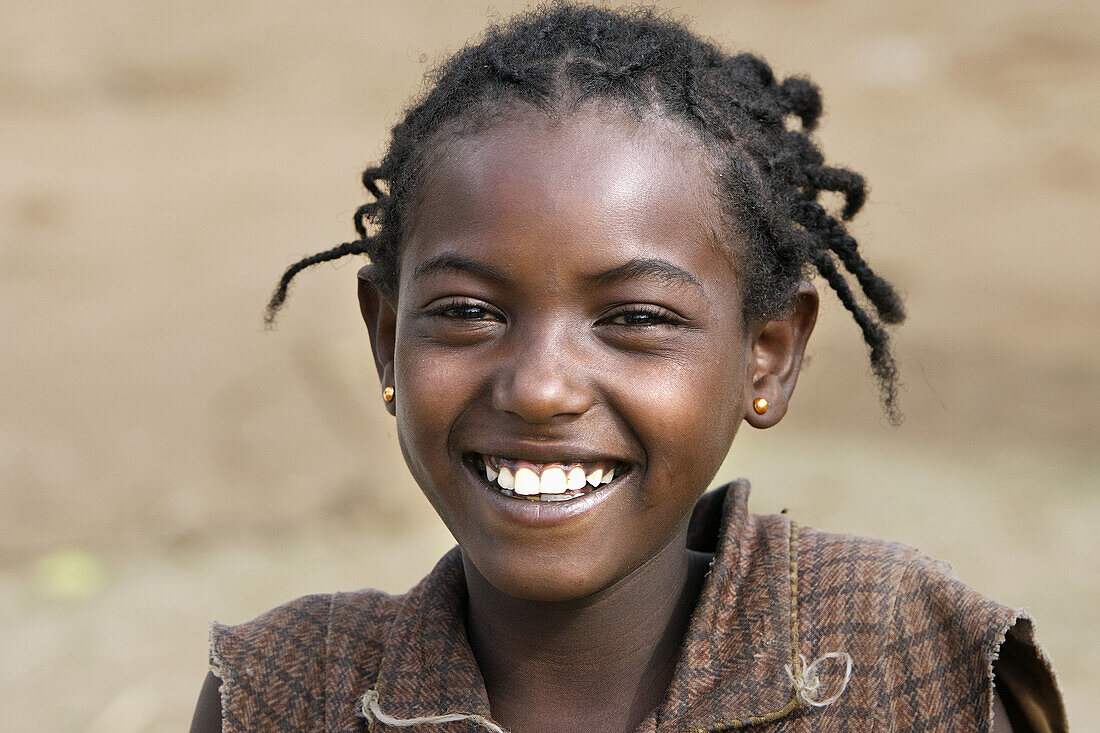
(642, 316)
(465, 311)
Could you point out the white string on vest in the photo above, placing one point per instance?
(806, 682)
(372, 711)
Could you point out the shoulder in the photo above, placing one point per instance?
(917, 630)
(208, 710)
(885, 591)
(279, 669)
(907, 585)
(304, 622)
(297, 622)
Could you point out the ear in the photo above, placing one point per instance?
(777, 350)
(380, 318)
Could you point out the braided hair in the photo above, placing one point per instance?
(769, 172)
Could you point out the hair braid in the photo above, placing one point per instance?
(881, 294)
(848, 183)
(358, 247)
(769, 171)
(371, 176)
(800, 96)
(882, 361)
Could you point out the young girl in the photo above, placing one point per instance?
(589, 245)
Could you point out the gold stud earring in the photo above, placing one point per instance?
(387, 394)
(760, 405)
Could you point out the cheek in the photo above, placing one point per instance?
(692, 414)
(427, 396)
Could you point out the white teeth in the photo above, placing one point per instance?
(552, 481)
(574, 480)
(527, 482)
(551, 485)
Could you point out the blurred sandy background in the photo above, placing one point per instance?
(164, 461)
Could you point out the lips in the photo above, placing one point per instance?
(551, 481)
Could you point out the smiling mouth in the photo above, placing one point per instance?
(556, 481)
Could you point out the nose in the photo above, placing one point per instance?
(543, 378)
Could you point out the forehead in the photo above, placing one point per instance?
(601, 179)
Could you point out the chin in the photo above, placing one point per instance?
(548, 580)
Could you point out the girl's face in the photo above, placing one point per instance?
(566, 302)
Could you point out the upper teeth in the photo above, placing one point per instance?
(527, 482)
(575, 479)
(546, 480)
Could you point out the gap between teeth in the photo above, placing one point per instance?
(551, 485)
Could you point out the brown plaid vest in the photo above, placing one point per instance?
(777, 597)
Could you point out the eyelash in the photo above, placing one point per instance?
(451, 309)
(659, 316)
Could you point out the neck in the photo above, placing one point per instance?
(596, 663)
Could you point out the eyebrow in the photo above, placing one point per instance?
(639, 267)
(653, 267)
(451, 262)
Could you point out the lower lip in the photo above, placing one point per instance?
(543, 513)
